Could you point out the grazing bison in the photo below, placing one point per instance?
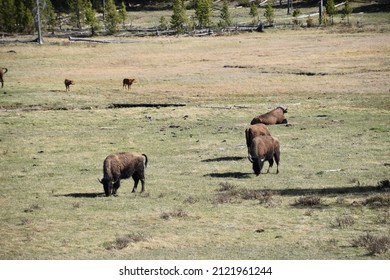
(276, 116)
(122, 166)
(68, 83)
(253, 131)
(128, 83)
(2, 72)
(264, 148)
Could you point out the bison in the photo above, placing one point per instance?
(122, 166)
(128, 83)
(253, 131)
(2, 72)
(276, 116)
(264, 148)
(68, 83)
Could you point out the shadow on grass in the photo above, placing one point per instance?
(223, 159)
(239, 175)
(362, 190)
(84, 195)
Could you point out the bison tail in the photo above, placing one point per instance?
(146, 160)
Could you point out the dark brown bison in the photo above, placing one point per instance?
(2, 72)
(68, 83)
(128, 83)
(122, 166)
(253, 131)
(264, 148)
(276, 116)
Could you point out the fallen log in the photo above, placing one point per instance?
(76, 39)
(19, 41)
(155, 105)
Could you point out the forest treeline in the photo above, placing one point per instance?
(20, 16)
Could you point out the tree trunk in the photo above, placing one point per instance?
(38, 23)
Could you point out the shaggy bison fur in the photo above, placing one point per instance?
(264, 148)
(253, 131)
(276, 116)
(122, 166)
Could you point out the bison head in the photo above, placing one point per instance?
(107, 185)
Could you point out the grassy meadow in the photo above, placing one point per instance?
(202, 201)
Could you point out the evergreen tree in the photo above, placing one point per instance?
(226, 19)
(111, 17)
(330, 9)
(254, 13)
(8, 16)
(48, 15)
(347, 10)
(203, 12)
(163, 23)
(269, 13)
(296, 14)
(90, 17)
(179, 18)
(123, 13)
(77, 10)
(25, 19)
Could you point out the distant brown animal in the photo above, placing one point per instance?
(122, 166)
(128, 83)
(276, 116)
(253, 131)
(68, 83)
(264, 148)
(2, 72)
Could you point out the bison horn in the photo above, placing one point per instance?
(100, 181)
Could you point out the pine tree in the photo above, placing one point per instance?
(123, 13)
(48, 16)
(330, 9)
(203, 12)
(269, 13)
(90, 17)
(112, 17)
(254, 13)
(179, 18)
(347, 10)
(8, 16)
(77, 10)
(226, 19)
(163, 23)
(25, 20)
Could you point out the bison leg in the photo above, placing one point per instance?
(143, 184)
(277, 159)
(137, 178)
(106, 190)
(271, 163)
(116, 186)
